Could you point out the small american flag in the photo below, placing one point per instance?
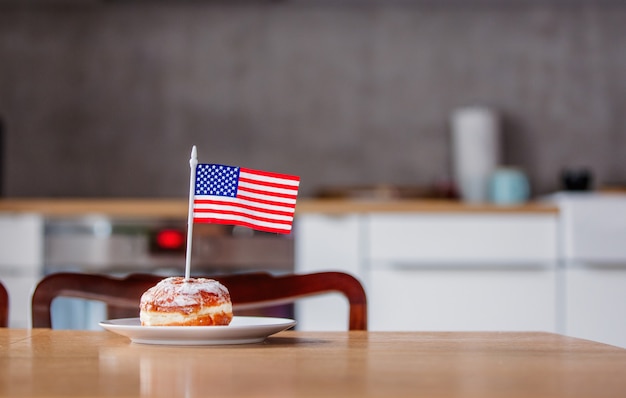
(238, 196)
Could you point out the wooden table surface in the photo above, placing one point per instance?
(56, 363)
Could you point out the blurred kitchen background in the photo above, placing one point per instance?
(106, 98)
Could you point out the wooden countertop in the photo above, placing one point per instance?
(177, 208)
(61, 363)
(131, 208)
(338, 206)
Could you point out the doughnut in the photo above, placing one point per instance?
(176, 301)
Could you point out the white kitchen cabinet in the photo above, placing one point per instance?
(21, 242)
(439, 271)
(462, 272)
(595, 302)
(21, 262)
(326, 243)
(593, 249)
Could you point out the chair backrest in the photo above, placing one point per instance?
(247, 290)
(4, 307)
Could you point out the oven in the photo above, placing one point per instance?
(118, 247)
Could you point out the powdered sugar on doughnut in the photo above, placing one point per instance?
(178, 294)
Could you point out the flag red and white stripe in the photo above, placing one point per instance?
(257, 199)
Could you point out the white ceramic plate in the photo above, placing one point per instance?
(242, 330)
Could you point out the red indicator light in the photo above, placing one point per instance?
(170, 239)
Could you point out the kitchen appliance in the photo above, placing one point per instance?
(116, 246)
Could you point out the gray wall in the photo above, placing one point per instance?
(106, 99)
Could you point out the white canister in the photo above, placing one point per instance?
(475, 151)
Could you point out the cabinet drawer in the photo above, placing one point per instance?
(447, 299)
(465, 238)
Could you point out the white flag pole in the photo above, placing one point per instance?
(193, 162)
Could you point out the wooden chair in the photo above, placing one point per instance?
(4, 307)
(247, 290)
